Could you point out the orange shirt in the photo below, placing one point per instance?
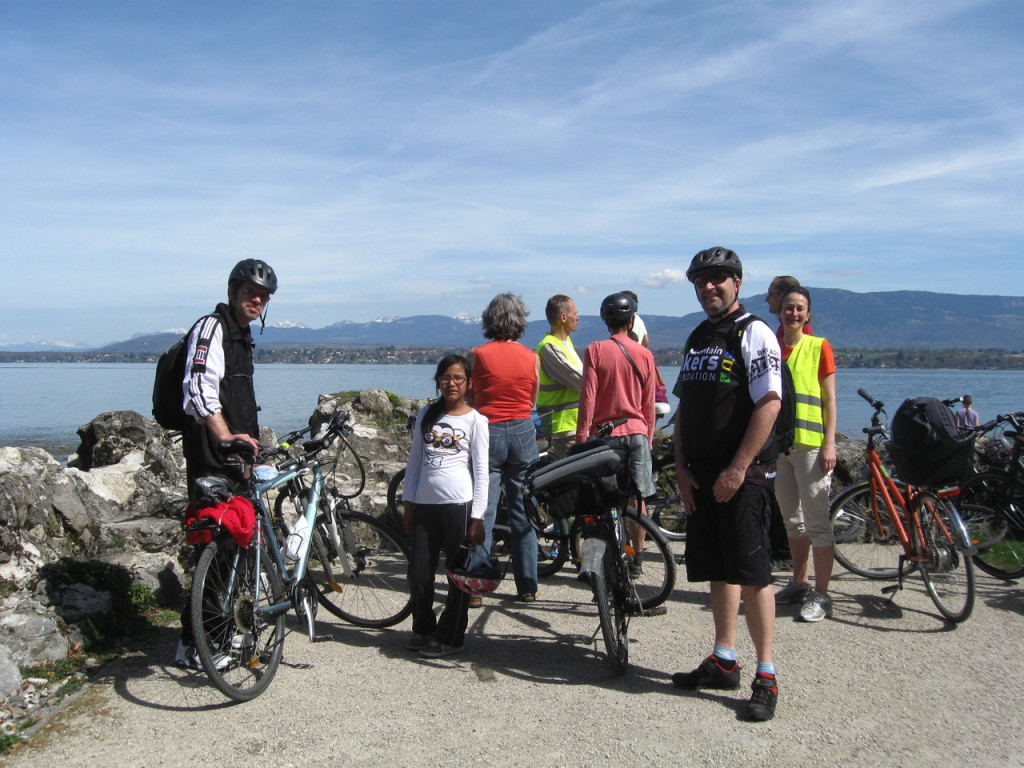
(504, 378)
(826, 363)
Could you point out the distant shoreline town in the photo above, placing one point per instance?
(953, 359)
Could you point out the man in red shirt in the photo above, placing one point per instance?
(619, 378)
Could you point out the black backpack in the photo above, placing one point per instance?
(781, 439)
(927, 447)
(170, 373)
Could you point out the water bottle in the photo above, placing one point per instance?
(296, 542)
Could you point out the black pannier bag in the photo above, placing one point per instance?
(927, 447)
(580, 483)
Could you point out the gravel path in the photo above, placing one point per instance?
(878, 685)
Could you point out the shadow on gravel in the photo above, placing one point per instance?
(140, 676)
(1001, 595)
(877, 612)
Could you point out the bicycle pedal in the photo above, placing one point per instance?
(658, 610)
(335, 586)
(890, 589)
(320, 638)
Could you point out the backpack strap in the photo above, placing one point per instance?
(636, 370)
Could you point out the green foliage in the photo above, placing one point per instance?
(9, 741)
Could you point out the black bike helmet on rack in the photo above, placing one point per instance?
(618, 308)
(253, 271)
(715, 259)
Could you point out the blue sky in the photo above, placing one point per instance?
(419, 157)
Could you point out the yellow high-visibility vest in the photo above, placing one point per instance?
(561, 403)
(803, 363)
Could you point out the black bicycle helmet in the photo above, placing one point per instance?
(716, 259)
(254, 271)
(618, 307)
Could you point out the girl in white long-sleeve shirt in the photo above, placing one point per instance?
(445, 498)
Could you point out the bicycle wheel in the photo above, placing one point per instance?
(396, 513)
(992, 506)
(666, 506)
(611, 612)
(656, 577)
(344, 469)
(865, 537)
(947, 571)
(552, 537)
(366, 581)
(240, 648)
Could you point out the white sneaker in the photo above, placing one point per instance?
(187, 657)
(816, 607)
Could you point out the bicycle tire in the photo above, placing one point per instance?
(344, 471)
(225, 620)
(611, 612)
(396, 512)
(992, 506)
(666, 506)
(290, 504)
(947, 570)
(865, 544)
(657, 579)
(552, 538)
(374, 592)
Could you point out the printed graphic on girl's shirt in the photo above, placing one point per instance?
(441, 440)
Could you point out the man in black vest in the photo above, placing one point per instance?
(218, 392)
(730, 393)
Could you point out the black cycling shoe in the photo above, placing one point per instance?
(762, 701)
(710, 674)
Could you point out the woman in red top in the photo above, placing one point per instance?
(506, 378)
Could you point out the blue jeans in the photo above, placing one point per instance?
(513, 447)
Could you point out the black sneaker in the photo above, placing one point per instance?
(710, 674)
(762, 701)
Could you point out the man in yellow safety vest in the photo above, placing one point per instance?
(561, 372)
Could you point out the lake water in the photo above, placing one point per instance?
(43, 404)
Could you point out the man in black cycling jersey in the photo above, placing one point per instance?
(218, 394)
(730, 390)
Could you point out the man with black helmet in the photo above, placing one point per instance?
(730, 390)
(619, 377)
(218, 392)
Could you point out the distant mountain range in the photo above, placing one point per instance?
(895, 319)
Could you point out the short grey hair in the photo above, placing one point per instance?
(505, 318)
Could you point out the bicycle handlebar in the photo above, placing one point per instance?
(878, 405)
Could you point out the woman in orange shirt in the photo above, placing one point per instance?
(506, 378)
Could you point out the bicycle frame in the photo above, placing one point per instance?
(882, 483)
(266, 534)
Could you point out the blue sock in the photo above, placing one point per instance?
(724, 654)
(765, 668)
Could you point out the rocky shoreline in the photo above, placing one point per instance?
(114, 514)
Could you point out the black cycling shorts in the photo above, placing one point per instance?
(729, 542)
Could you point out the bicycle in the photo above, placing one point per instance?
(885, 529)
(993, 504)
(591, 479)
(241, 594)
